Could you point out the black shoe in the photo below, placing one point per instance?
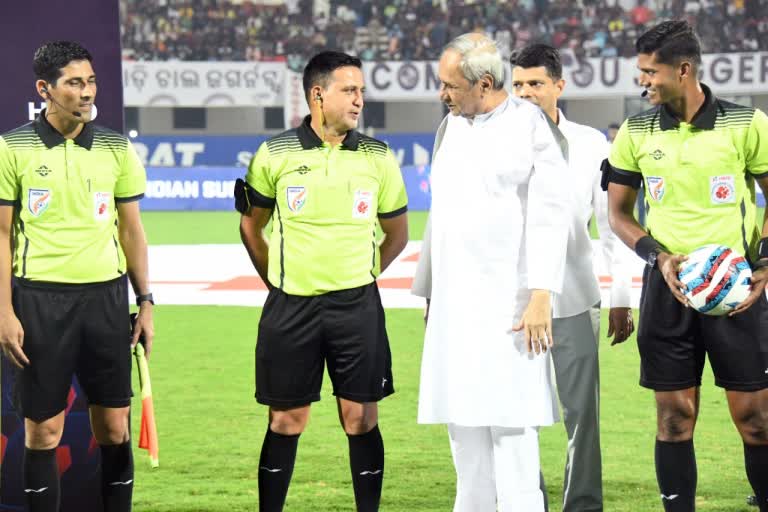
(752, 501)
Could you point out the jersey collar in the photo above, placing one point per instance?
(52, 138)
(309, 138)
(704, 118)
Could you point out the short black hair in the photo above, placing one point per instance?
(538, 55)
(672, 42)
(319, 68)
(51, 57)
(614, 126)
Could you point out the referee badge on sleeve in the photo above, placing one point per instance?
(39, 200)
(101, 205)
(361, 207)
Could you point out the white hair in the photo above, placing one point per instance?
(479, 56)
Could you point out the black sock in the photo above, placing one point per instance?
(756, 462)
(676, 474)
(278, 454)
(117, 477)
(41, 480)
(366, 459)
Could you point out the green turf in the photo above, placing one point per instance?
(211, 430)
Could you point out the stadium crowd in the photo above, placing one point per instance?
(418, 29)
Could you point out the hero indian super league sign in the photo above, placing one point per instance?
(26, 25)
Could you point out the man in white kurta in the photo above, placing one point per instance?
(498, 235)
(537, 77)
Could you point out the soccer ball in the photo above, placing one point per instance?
(716, 279)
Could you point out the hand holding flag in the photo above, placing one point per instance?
(148, 431)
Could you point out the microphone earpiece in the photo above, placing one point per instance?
(318, 97)
(50, 97)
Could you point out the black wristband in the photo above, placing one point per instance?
(762, 248)
(147, 297)
(761, 263)
(647, 246)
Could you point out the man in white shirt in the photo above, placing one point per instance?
(537, 77)
(493, 254)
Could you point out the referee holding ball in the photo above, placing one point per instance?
(700, 158)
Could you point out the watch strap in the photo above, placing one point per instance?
(147, 297)
(648, 249)
(762, 248)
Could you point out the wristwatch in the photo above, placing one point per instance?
(762, 248)
(652, 256)
(147, 297)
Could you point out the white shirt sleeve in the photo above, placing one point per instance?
(614, 253)
(546, 223)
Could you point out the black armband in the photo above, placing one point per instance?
(648, 248)
(605, 169)
(242, 204)
(246, 197)
(613, 175)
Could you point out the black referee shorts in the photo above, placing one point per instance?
(80, 329)
(673, 341)
(298, 335)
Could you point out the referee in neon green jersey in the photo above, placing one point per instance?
(70, 234)
(325, 186)
(701, 158)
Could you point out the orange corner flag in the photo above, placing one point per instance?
(148, 432)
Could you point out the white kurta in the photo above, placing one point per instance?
(498, 230)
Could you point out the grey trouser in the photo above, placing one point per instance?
(578, 385)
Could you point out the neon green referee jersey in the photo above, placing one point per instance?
(64, 193)
(699, 177)
(326, 203)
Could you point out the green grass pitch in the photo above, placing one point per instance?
(211, 428)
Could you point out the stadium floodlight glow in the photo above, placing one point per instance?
(133, 134)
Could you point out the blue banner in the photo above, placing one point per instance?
(236, 151)
(211, 188)
(195, 188)
(417, 186)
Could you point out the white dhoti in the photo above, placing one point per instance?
(496, 469)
